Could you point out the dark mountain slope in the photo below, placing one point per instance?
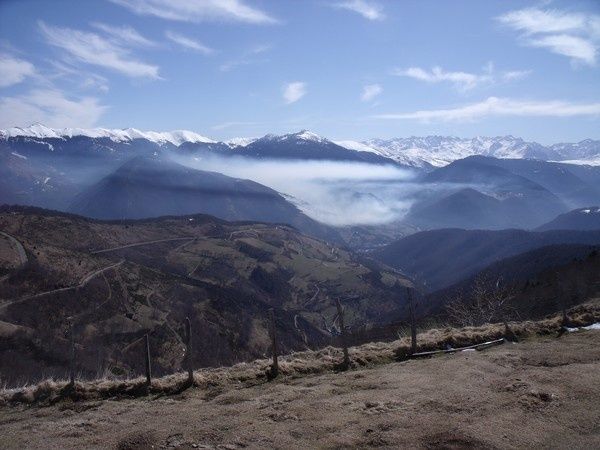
(578, 219)
(466, 208)
(151, 187)
(120, 280)
(440, 258)
(564, 180)
(539, 281)
(522, 202)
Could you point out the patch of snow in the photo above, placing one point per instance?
(240, 142)
(594, 326)
(582, 162)
(309, 136)
(18, 155)
(39, 131)
(355, 145)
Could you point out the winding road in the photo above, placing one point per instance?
(84, 281)
(18, 247)
(137, 244)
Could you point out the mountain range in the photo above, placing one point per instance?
(420, 152)
(130, 174)
(438, 151)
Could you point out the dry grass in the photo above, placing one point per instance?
(293, 365)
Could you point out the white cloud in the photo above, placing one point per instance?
(462, 81)
(50, 107)
(198, 10)
(125, 35)
(91, 48)
(370, 91)
(571, 34)
(572, 46)
(515, 75)
(494, 106)
(534, 20)
(369, 10)
(249, 57)
(14, 70)
(292, 92)
(86, 80)
(188, 43)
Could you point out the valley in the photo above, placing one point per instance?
(318, 224)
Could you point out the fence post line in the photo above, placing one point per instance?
(413, 322)
(72, 356)
(147, 357)
(274, 347)
(340, 311)
(188, 350)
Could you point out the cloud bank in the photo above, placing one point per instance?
(91, 48)
(198, 10)
(332, 192)
(494, 106)
(572, 34)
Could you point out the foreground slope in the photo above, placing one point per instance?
(120, 280)
(541, 393)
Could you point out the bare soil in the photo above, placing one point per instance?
(541, 393)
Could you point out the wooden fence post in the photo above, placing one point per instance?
(72, 356)
(188, 351)
(340, 311)
(147, 357)
(274, 349)
(413, 322)
(565, 317)
(508, 333)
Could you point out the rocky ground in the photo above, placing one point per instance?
(540, 393)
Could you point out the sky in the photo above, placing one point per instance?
(345, 69)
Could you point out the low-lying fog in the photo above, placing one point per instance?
(333, 192)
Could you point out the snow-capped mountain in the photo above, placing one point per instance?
(40, 131)
(306, 145)
(439, 151)
(240, 142)
(421, 152)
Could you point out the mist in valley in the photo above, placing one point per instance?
(333, 192)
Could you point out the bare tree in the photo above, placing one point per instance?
(488, 301)
(413, 322)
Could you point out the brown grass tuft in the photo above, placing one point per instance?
(293, 365)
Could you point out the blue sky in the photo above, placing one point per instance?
(346, 69)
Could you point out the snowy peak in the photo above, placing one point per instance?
(240, 142)
(299, 137)
(40, 131)
(306, 135)
(592, 210)
(439, 151)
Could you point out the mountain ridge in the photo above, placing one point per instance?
(416, 151)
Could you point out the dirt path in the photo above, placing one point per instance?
(543, 393)
(84, 281)
(17, 246)
(137, 244)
